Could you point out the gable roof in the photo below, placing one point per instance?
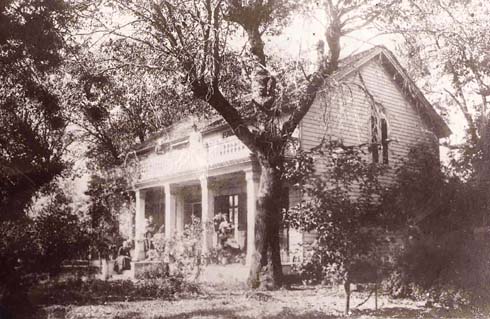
(347, 66)
(354, 62)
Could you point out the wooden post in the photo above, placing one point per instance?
(207, 211)
(347, 296)
(139, 246)
(169, 212)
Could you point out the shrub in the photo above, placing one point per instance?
(32, 246)
(183, 251)
(98, 291)
(442, 261)
(451, 272)
(343, 223)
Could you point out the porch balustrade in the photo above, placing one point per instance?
(193, 158)
(226, 151)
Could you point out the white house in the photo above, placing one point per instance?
(198, 167)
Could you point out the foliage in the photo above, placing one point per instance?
(423, 191)
(183, 251)
(99, 292)
(114, 104)
(447, 46)
(61, 234)
(438, 214)
(451, 271)
(341, 208)
(32, 140)
(33, 246)
(108, 197)
(298, 166)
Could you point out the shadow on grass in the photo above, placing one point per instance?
(61, 312)
(409, 313)
(232, 314)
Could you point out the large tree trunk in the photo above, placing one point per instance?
(266, 269)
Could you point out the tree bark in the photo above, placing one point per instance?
(266, 268)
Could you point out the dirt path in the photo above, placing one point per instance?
(302, 303)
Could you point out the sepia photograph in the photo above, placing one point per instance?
(244, 159)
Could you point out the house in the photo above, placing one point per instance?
(199, 168)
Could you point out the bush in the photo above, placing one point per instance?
(450, 272)
(34, 246)
(183, 251)
(442, 262)
(344, 224)
(97, 291)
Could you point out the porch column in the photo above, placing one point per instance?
(169, 211)
(207, 209)
(252, 180)
(139, 236)
(179, 210)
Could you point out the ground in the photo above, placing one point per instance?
(218, 302)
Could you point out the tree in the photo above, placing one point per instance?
(108, 196)
(39, 244)
(260, 98)
(33, 44)
(31, 123)
(115, 104)
(448, 45)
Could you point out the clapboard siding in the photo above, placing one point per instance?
(345, 116)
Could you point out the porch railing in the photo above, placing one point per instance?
(226, 151)
(194, 157)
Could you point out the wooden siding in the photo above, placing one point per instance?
(345, 116)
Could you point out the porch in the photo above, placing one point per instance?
(168, 208)
(203, 175)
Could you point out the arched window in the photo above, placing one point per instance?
(384, 140)
(379, 139)
(374, 148)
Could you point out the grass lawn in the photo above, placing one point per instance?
(218, 302)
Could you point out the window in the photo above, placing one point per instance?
(384, 140)
(374, 139)
(379, 139)
(233, 209)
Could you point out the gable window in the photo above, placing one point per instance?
(379, 140)
(374, 139)
(384, 140)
